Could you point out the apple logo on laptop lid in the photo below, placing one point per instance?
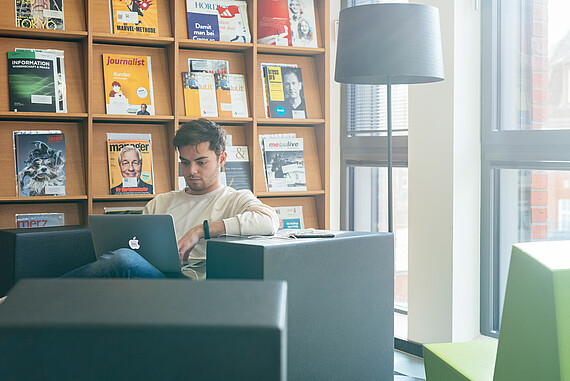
(134, 243)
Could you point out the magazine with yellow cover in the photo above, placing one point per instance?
(128, 84)
(134, 17)
(130, 163)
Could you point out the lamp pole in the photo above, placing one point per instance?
(389, 130)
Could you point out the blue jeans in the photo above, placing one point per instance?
(121, 263)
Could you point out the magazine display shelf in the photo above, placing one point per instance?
(87, 36)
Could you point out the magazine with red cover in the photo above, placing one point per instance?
(273, 26)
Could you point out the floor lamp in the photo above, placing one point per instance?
(389, 44)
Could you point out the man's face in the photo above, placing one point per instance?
(116, 88)
(292, 85)
(143, 108)
(130, 164)
(201, 167)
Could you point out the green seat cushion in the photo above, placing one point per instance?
(460, 361)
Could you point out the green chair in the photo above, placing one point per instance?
(534, 341)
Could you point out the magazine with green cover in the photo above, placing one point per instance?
(32, 81)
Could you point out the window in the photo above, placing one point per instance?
(364, 167)
(525, 136)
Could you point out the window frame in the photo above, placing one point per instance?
(504, 149)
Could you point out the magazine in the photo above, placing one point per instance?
(262, 138)
(238, 96)
(32, 84)
(134, 17)
(199, 90)
(208, 66)
(181, 180)
(60, 89)
(302, 22)
(39, 220)
(284, 164)
(263, 84)
(273, 27)
(130, 163)
(236, 168)
(123, 209)
(290, 217)
(40, 163)
(285, 94)
(223, 95)
(128, 84)
(217, 20)
(45, 14)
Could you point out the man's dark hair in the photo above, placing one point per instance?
(199, 131)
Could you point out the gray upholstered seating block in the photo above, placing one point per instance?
(42, 253)
(340, 299)
(110, 329)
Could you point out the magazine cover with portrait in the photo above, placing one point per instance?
(130, 163)
(40, 163)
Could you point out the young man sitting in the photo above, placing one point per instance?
(201, 148)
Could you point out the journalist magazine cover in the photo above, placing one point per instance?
(130, 163)
(40, 163)
(128, 84)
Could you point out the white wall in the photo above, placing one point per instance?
(444, 190)
(334, 125)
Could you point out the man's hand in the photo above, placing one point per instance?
(188, 241)
(193, 236)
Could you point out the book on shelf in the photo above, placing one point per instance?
(61, 87)
(134, 17)
(128, 84)
(208, 66)
(285, 94)
(123, 209)
(264, 85)
(302, 22)
(284, 164)
(40, 163)
(32, 81)
(181, 180)
(130, 163)
(217, 20)
(44, 14)
(290, 217)
(238, 96)
(199, 91)
(223, 95)
(273, 26)
(39, 220)
(236, 168)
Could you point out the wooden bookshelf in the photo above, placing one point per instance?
(87, 36)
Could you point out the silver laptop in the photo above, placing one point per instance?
(152, 236)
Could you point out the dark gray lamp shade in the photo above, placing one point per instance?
(400, 41)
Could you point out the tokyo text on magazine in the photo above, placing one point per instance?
(39, 14)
